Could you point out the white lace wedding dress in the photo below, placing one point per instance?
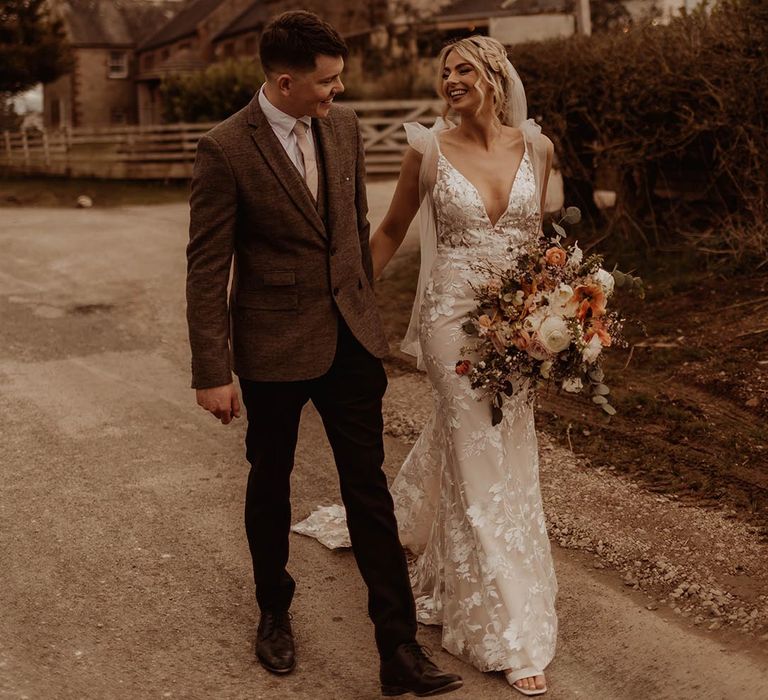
(467, 498)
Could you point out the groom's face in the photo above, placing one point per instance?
(311, 94)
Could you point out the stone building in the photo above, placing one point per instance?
(205, 31)
(100, 90)
(509, 21)
(181, 45)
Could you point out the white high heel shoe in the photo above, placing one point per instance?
(515, 675)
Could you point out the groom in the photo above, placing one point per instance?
(280, 187)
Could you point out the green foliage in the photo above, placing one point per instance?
(33, 47)
(210, 95)
(673, 118)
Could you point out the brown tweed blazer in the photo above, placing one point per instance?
(294, 269)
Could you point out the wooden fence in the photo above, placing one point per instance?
(168, 151)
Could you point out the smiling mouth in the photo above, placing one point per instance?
(457, 94)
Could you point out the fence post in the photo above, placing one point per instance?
(46, 150)
(8, 150)
(25, 147)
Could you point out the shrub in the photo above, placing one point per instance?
(671, 117)
(210, 95)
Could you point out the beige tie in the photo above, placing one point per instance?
(308, 154)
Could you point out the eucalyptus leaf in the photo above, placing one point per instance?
(559, 229)
(597, 374)
(601, 400)
(469, 328)
(572, 215)
(610, 410)
(496, 415)
(601, 390)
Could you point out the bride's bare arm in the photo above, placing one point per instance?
(547, 170)
(405, 203)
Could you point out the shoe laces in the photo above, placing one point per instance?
(276, 621)
(420, 652)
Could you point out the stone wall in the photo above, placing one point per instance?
(99, 100)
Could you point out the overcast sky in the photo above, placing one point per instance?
(29, 101)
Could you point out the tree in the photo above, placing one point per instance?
(33, 46)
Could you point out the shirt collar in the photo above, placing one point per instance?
(281, 122)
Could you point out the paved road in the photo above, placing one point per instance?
(125, 571)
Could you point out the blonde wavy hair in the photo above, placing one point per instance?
(489, 58)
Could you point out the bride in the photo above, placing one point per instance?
(467, 498)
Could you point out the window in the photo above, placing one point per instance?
(229, 49)
(118, 116)
(148, 61)
(165, 54)
(118, 64)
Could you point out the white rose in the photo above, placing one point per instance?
(534, 320)
(573, 386)
(593, 349)
(559, 298)
(563, 293)
(576, 257)
(554, 335)
(605, 280)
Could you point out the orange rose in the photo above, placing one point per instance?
(555, 256)
(463, 367)
(485, 324)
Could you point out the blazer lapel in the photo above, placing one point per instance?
(326, 135)
(280, 164)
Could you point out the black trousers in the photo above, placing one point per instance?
(348, 398)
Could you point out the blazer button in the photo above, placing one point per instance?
(335, 291)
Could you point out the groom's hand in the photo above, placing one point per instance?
(222, 401)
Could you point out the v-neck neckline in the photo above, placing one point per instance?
(477, 191)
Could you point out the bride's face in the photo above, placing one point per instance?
(459, 83)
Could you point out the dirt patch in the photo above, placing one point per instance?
(692, 392)
(63, 192)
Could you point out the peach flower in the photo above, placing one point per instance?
(555, 256)
(597, 328)
(589, 297)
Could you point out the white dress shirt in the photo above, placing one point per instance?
(283, 124)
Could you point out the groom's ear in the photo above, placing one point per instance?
(284, 82)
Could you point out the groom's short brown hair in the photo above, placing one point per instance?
(294, 39)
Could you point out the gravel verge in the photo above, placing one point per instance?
(706, 566)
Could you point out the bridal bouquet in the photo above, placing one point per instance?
(544, 319)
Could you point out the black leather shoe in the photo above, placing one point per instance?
(274, 642)
(409, 670)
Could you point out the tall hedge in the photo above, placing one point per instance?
(210, 95)
(674, 118)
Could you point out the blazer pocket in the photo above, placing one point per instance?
(279, 278)
(269, 299)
